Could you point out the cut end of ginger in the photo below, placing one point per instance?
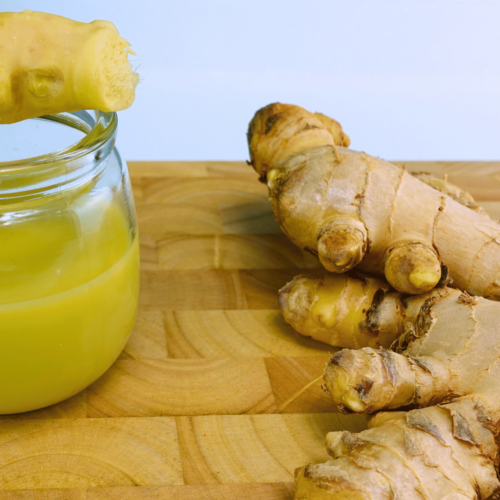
(115, 72)
(51, 64)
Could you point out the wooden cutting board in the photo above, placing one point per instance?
(214, 397)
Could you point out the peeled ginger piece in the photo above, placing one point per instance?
(50, 64)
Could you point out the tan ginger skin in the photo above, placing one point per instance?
(50, 64)
(447, 364)
(342, 311)
(352, 209)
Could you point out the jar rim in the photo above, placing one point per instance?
(65, 169)
(97, 132)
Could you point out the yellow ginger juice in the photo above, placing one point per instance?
(68, 297)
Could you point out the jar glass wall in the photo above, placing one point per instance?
(69, 263)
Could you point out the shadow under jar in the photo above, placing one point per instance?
(69, 259)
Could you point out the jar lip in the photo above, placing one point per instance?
(98, 131)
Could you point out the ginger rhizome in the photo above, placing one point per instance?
(352, 209)
(342, 311)
(447, 365)
(51, 64)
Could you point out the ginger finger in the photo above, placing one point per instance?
(365, 380)
(412, 267)
(343, 311)
(341, 244)
(52, 64)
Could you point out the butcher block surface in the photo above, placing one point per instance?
(214, 397)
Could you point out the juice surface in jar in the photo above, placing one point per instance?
(69, 284)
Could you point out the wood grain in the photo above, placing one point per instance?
(46, 494)
(260, 447)
(249, 218)
(88, 452)
(159, 221)
(203, 192)
(191, 290)
(261, 286)
(258, 491)
(235, 334)
(148, 340)
(236, 251)
(214, 397)
(277, 491)
(182, 387)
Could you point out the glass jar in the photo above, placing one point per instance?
(69, 261)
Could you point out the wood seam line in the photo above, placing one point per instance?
(217, 252)
(181, 461)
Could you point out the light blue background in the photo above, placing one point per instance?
(407, 79)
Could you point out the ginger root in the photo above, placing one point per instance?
(343, 311)
(351, 209)
(354, 210)
(51, 64)
(447, 365)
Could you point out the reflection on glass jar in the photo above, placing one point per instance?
(69, 262)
